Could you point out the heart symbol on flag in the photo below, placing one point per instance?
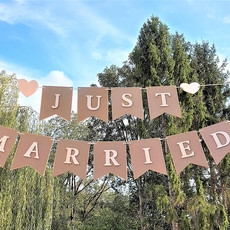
(190, 88)
(27, 88)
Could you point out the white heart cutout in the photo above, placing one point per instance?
(190, 88)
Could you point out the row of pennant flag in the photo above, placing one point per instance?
(111, 157)
(93, 101)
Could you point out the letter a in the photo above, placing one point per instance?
(32, 149)
(3, 143)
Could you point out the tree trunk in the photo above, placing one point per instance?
(141, 203)
(165, 149)
(174, 223)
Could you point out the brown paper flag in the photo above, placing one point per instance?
(217, 138)
(56, 101)
(127, 101)
(7, 140)
(71, 156)
(33, 150)
(110, 157)
(147, 155)
(92, 101)
(186, 148)
(163, 99)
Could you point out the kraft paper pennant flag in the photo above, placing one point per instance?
(147, 155)
(33, 150)
(7, 140)
(27, 88)
(56, 101)
(71, 156)
(92, 101)
(186, 148)
(163, 99)
(127, 101)
(217, 138)
(110, 157)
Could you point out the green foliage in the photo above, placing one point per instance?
(198, 198)
(31, 201)
(201, 210)
(163, 59)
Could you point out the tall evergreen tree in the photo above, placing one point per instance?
(198, 198)
(163, 59)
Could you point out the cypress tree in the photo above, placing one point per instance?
(198, 198)
(163, 59)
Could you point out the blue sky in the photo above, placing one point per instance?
(62, 42)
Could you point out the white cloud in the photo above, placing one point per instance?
(211, 16)
(18, 70)
(34, 100)
(20, 1)
(53, 78)
(80, 31)
(62, 17)
(99, 24)
(221, 60)
(226, 19)
(118, 56)
(24, 12)
(228, 68)
(96, 56)
(56, 78)
(12, 12)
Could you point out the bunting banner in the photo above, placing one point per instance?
(33, 150)
(7, 140)
(127, 101)
(185, 149)
(71, 156)
(56, 101)
(110, 157)
(92, 101)
(147, 155)
(217, 139)
(163, 99)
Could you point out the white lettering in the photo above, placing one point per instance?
(32, 149)
(124, 97)
(163, 98)
(57, 97)
(217, 140)
(183, 148)
(3, 143)
(147, 156)
(89, 102)
(109, 158)
(70, 156)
